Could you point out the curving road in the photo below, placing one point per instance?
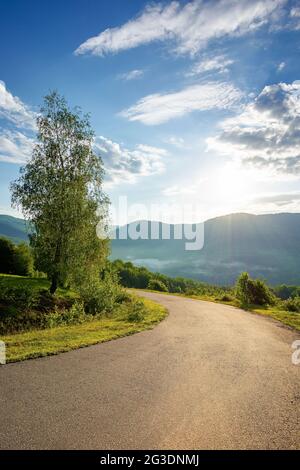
(209, 376)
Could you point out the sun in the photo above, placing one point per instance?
(230, 186)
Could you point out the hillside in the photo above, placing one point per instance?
(13, 228)
(266, 246)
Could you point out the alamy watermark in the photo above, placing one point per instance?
(144, 223)
(2, 353)
(296, 353)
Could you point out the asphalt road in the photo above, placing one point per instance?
(209, 377)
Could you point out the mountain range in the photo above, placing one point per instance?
(267, 246)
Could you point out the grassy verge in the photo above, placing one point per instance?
(37, 343)
(287, 318)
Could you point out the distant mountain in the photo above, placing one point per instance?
(266, 246)
(13, 228)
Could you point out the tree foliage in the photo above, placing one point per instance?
(253, 291)
(156, 284)
(60, 191)
(140, 277)
(15, 259)
(7, 256)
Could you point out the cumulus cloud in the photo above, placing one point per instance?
(15, 147)
(123, 165)
(219, 64)
(132, 75)
(159, 108)
(266, 134)
(14, 110)
(187, 28)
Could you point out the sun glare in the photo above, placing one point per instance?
(230, 186)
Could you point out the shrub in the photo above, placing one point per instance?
(225, 298)
(123, 297)
(45, 300)
(15, 259)
(12, 320)
(100, 295)
(261, 294)
(253, 291)
(72, 316)
(284, 292)
(137, 313)
(156, 284)
(21, 296)
(7, 251)
(24, 308)
(190, 292)
(23, 260)
(292, 304)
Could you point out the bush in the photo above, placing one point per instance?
(20, 296)
(72, 316)
(284, 292)
(225, 298)
(137, 313)
(7, 251)
(15, 259)
(156, 284)
(123, 297)
(13, 320)
(253, 291)
(25, 308)
(23, 260)
(100, 295)
(292, 304)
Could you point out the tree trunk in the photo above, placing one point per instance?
(53, 286)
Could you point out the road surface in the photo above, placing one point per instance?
(208, 377)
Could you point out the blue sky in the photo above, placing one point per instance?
(194, 103)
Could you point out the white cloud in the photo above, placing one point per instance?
(15, 147)
(279, 199)
(120, 164)
(14, 110)
(187, 27)
(159, 108)
(217, 64)
(132, 75)
(176, 141)
(266, 135)
(295, 18)
(281, 66)
(275, 202)
(123, 165)
(295, 12)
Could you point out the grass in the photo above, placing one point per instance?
(37, 343)
(10, 280)
(290, 319)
